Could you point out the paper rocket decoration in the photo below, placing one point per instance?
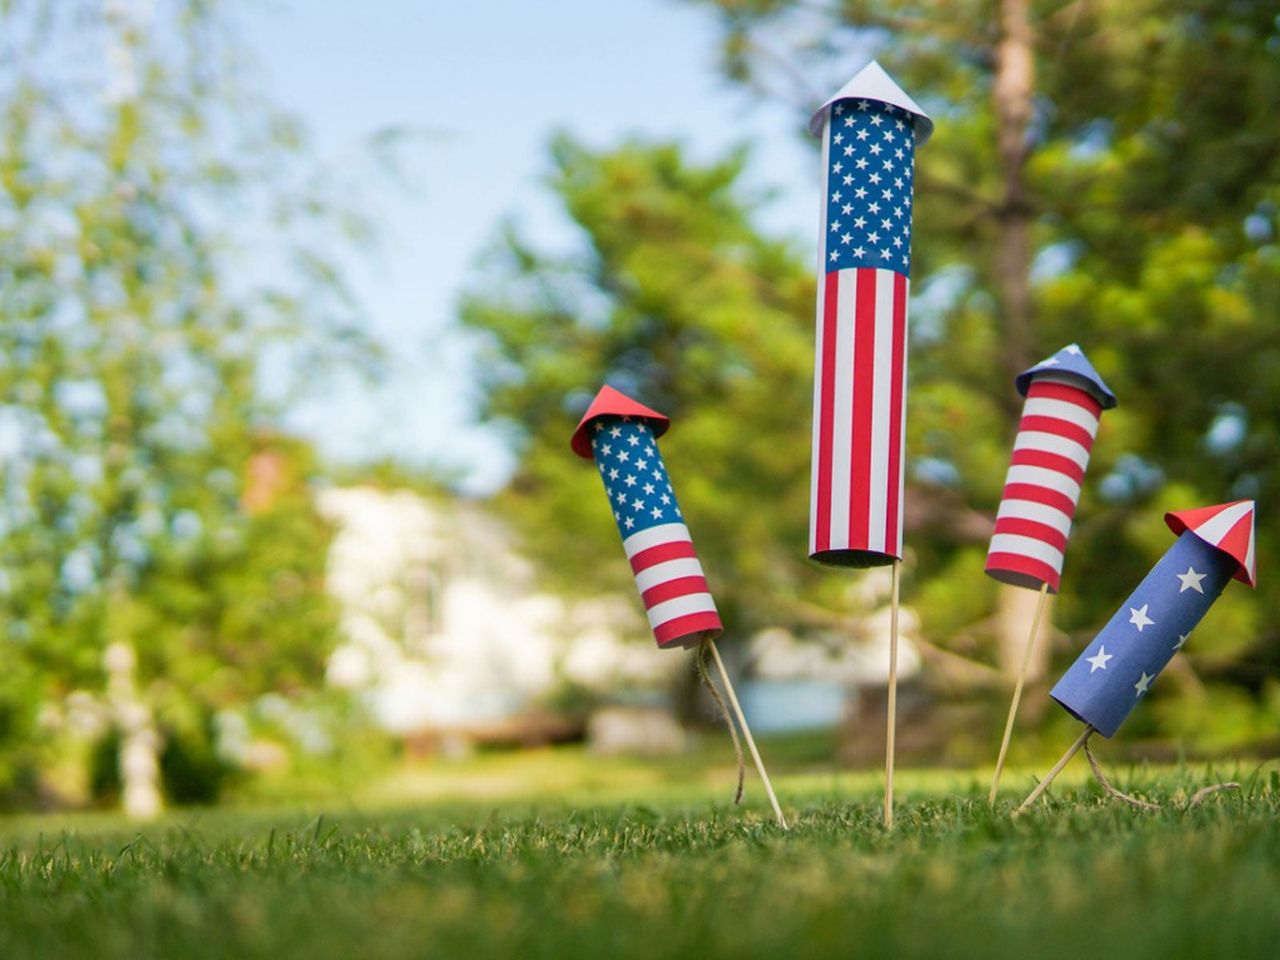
(1065, 398)
(620, 435)
(1118, 668)
(869, 133)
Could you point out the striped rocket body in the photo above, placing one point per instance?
(1050, 456)
(668, 574)
(860, 365)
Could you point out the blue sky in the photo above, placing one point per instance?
(490, 80)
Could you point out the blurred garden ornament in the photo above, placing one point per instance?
(869, 132)
(1116, 670)
(620, 435)
(1065, 398)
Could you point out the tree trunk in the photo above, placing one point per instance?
(1013, 87)
(139, 739)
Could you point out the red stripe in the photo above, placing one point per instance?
(1048, 461)
(864, 385)
(1016, 563)
(892, 532)
(1030, 528)
(661, 553)
(1050, 498)
(674, 630)
(670, 589)
(1059, 428)
(826, 413)
(1060, 391)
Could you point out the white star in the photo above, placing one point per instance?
(873, 237)
(648, 450)
(637, 505)
(1099, 661)
(839, 109)
(607, 449)
(615, 432)
(885, 253)
(861, 163)
(613, 474)
(623, 456)
(1139, 617)
(642, 464)
(657, 474)
(1191, 580)
(897, 242)
(622, 497)
(665, 499)
(848, 151)
(630, 522)
(848, 179)
(899, 154)
(873, 207)
(862, 105)
(839, 137)
(656, 512)
(1072, 349)
(835, 226)
(835, 197)
(1143, 685)
(886, 224)
(897, 182)
(899, 124)
(630, 481)
(862, 134)
(876, 120)
(860, 222)
(846, 238)
(599, 425)
(875, 149)
(848, 121)
(834, 256)
(860, 193)
(888, 134)
(837, 167)
(847, 209)
(634, 440)
(1182, 638)
(860, 252)
(1051, 362)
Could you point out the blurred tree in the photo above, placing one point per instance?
(144, 347)
(676, 299)
(1103, 173)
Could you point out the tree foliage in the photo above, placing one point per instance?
(146, 345)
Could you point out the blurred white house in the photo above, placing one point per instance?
(445, 629)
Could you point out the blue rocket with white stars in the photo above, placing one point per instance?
(1117, 669)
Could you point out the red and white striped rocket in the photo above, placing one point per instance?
(1065, 399)
(620, 435)
(869, 132)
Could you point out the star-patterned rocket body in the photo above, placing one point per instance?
(620, 435)
(1065, 398)
(1118, 667)
(869, 133)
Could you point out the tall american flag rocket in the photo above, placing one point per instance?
(869, 132)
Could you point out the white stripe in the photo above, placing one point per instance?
(902, 431)
(669, 570)
(818, 346)
(1052, 443)
(1015, 509)
(1061, 410)
(1248, 556)
(660, 613)
(1218, 526)
(662, 533)
(882, 390)
(1044, 477)
(842, 407)
(1027, 547)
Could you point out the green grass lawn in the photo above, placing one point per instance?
(572, 868)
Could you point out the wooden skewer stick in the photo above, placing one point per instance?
(893, 699)
(1057, 769)
(746, 732)
(1017, 692)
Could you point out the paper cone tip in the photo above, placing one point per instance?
(1228, 527)
(873, 83)
(613, 403)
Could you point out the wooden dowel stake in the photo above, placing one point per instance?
(746, 732)
(1017, 692)
(1043, 785)
(891, 721)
